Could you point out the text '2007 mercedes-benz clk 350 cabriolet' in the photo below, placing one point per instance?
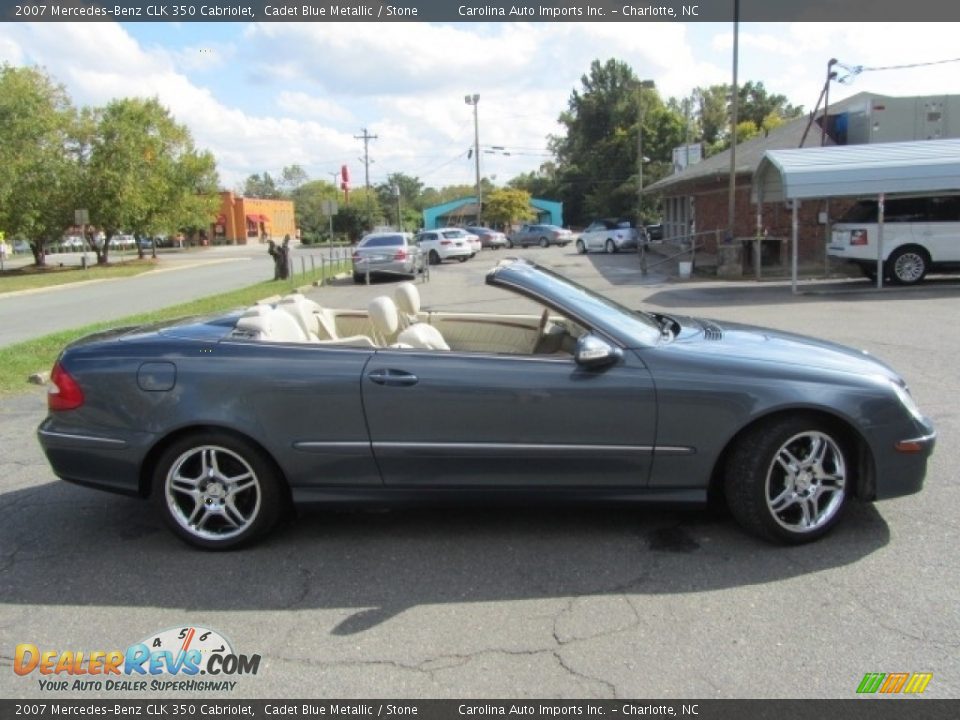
(226, 422)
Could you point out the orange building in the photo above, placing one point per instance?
(243, 220)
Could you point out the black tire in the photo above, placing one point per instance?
(581, 248)
(358, 278)
(775, 504)
(610, 247)
(908, 265)
(463, 258)
(434, 257)
(544, 243)
(234, 480)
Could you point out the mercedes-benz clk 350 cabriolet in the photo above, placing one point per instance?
(227, 422)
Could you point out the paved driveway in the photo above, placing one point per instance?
(519, 602)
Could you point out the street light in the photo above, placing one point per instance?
(475, 100)
(644, 84)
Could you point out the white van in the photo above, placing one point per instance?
(920, 234)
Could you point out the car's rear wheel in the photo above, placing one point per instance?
(908, 265)
(434, 257)
(581, 248)
(464, 258)
(610, 247)
(787, 480)
(544, 242)
(217, 492)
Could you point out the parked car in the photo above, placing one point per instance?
(445, 244)
(655, 232)
(389, 253)
(21, 246)
(223, 420)
(920, 234)
(123, 242)
(542, 235)
(608, 235)
(71, 243)
(474, 240)
(489, 238)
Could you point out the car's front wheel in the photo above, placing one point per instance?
(787, 480)
(610, 247)
(544, 243)
(217, 492)
(434, 257)
(581, 248)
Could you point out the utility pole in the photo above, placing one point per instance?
(641, 111)
(734, 107)
(475, 101)
(366, 137)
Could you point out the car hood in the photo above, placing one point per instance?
(748, 342)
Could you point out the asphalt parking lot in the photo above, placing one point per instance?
(525, 602)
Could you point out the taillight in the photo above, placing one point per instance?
(400, 255)
(64, 392)
(858, 237)
(445, 242)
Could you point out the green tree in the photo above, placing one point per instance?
(292, 177)
(39, 152)
(257, 186)
(597, 156)
(308, 201)
(504, 206)
(144, 174)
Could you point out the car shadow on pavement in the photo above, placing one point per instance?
(67, 545)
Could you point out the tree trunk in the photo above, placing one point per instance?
(39, 256)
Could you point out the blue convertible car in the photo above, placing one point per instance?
(225, 422)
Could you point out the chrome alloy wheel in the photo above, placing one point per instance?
(909, 267)
(212, 492)
(805, 484)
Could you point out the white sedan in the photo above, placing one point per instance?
(445, 244)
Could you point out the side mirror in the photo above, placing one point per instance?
(592, 352)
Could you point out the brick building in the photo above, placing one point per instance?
(241, 220)
(695, 200)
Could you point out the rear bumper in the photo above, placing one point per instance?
(109, 462)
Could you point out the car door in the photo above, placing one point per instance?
(457, 419)
(591, 235)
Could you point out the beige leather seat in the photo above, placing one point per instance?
(314, 319)
(262, 322)
(416, 334)
(385, 320)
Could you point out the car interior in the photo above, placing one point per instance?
(399, 322)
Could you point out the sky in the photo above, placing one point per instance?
(261, 96)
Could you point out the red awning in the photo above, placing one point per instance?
(257, 218)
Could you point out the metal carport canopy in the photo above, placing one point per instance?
(924, 166)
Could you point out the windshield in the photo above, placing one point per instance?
(454, 234)
(596, 310)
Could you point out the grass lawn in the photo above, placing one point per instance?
(17, 362)
(31, 276)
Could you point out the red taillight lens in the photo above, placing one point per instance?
(445, 242)
(400, 255)
(858, 237)
(64, 392)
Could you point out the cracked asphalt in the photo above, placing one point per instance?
(524, 602)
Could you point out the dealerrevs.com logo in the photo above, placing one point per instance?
(184, 659)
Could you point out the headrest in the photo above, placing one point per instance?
(383, 315)
(407, 298)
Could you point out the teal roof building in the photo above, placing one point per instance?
(463, 211)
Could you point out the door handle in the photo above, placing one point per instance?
(393, 378)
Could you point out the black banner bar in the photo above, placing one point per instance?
(852, 709)
(480, 11)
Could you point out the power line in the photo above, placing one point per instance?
(854, 70)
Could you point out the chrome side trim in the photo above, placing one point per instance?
(83, 438)
(922, 440)
(324, 445)
(515, 447)
(675, 450)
